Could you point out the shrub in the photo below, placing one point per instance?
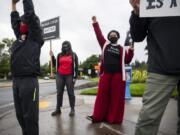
(139, 76)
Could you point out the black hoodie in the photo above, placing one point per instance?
(25, 54)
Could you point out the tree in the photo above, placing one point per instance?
(139, 65)
(89, 63)
(45, 69)
(5, 46)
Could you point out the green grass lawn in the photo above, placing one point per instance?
(92, 91)
(95, 79)
(137, 89)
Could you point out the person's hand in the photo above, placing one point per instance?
(23, 37)
(131, 46)
(135, 4)
(51, 53)
(94, 19)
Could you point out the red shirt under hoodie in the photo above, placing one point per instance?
(65, 63)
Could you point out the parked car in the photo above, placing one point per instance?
(84, 77)
(46, 78)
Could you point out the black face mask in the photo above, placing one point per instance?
(113, 40)
(65, 49)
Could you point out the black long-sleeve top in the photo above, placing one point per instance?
(163, 42)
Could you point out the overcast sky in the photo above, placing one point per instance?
(76, 24)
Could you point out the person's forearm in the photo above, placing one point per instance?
(129, 55)
(138, 28)
(99, 34)
(53, 61)
(13, 6)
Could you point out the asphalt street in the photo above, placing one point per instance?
(45, 89)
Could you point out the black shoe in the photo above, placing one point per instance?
(90, 118)
(72, 112)
(57, 112)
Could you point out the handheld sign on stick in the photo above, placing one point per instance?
(159, 8)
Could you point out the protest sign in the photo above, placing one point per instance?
(159, 8)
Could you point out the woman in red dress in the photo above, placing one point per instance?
(110, 100)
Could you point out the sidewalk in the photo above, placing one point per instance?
(79, 125)
(9, 83)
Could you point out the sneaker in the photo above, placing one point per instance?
(72, 112)
(57, 112)
(90, 118)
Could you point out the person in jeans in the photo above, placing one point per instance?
(67, 73)
(163, 41)
(110, 100)
(25, 66)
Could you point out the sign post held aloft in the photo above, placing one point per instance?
(50, 30)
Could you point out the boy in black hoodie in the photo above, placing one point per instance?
(25, 66)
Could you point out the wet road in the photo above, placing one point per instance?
(79, 125)
(45, 89)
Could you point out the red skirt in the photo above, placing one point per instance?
(110, 100)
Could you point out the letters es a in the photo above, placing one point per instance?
(152, 4)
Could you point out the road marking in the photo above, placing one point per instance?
(44, 104)
(112, 129)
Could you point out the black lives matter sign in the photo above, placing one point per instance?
(159, 8)
(50, 29)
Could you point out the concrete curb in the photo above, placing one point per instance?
(86, 85)
(9, 84)
(5, 114)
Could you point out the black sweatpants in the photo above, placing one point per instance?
(178, 108)
(61, 82)
(26, 101)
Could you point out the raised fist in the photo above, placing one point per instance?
(94, 19)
